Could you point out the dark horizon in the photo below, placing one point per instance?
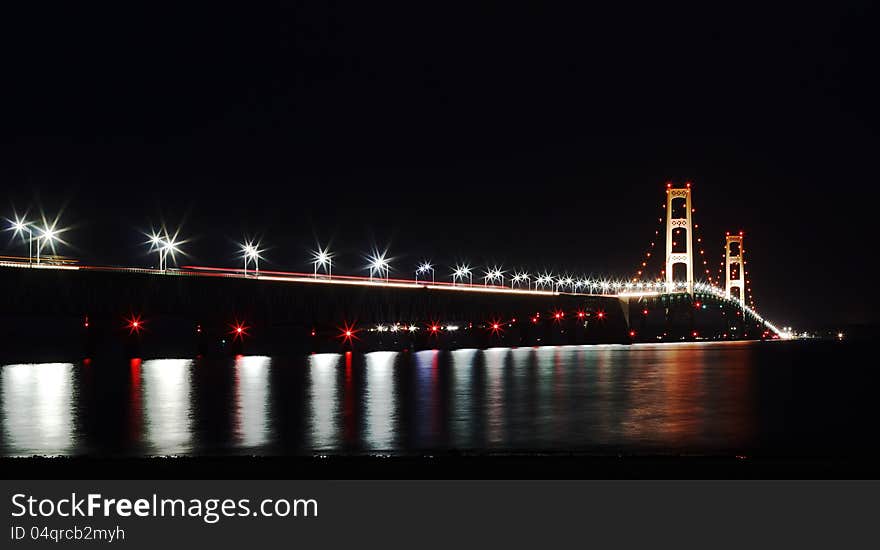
(531, 138)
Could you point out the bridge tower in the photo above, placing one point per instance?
(686, 223)
(734, 265)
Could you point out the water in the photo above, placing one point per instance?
(703, 398)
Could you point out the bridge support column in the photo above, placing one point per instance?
(674, 224)
(734, 265)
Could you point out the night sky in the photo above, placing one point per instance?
(532, 137)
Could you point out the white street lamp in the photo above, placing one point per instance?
(324, 259)
(494, 275)
(423, 268)
(516, 279)
(462, 271)
(457, 275)
(156, 243)
(164, 246)
(19, 227)
(250, 252)
(48, 235)
(378, 265)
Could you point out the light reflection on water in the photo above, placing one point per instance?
(252, 400)
(324, 400)
(427, 397)
(166, 405)
(37, 408)
(495, 398)
(463, 413)
(643, 398)
(379, 401)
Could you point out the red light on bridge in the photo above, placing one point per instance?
(434, 328)
(134, 324)
(495, 326)
(600, 315)
(558, 315)
(239, 331)
(644, 312)
(695, 334)
(581, 314)
(348, 333)
(632, 334)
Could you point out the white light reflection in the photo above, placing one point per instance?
(324, 400)
(543, 417)
(518, 398)
(462, 414)
(167, 410)
(427, 397)
(252, 400)
(37, 408)
(381, 414)
(495, 359)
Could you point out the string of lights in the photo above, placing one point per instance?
(700, 247)
(642, 272)
(721, 265)
(750, 298)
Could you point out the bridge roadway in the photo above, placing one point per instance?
(88, 309)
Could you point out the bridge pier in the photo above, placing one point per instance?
(674, 225)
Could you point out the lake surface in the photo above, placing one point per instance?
(786, 398)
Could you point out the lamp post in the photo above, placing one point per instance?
(49, 235)
(169, 246)
(495, 274)
(324, 259)
(457, 275)
(544, 280)
(251, 253)
(163, 246)
(19, 226)
(516, 279)
(378, 264)
(425, 267)
(470, 275)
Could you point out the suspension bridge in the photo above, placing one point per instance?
(664, 300)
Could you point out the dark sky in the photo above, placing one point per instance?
(531, 137)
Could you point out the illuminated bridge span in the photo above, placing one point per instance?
(222, 307)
